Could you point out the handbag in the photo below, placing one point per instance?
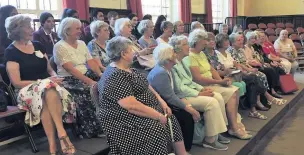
(236, 76)
(288, 85)
(199, 132)
(146, 61)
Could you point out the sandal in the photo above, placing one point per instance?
(277, 101)
(67, 146)
(257, 115)
(240, 134)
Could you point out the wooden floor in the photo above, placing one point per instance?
(258, 128)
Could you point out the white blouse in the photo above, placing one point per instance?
(64, 53)
(226, 61)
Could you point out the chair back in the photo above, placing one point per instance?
(280, 25)
(252, 26)
(262, 26)
(271, 25)
(270, 32)
(289, 30)
(289, 25)
(278, 31)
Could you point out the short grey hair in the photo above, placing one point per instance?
(220, 39)
(15, 24)
(119, 24)
(195, 36)
(221, 27)
(233, 36)
(96, 26)
(143, 26)
(195, 23)
(163, 53)
(251, 34)
(283, 31)
(117, 45)
(65, 25)
(165, 25)
(176, 42)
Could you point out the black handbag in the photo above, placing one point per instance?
(3, 101)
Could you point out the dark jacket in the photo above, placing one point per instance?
(46, 40)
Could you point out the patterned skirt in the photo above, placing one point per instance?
(87, 122)
(30, 99)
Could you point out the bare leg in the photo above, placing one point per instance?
(54, 104)
(48, 126)
(180, 148)
(268, 96)
(232, 108)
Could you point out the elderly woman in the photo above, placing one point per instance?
(255, 58)
(196, 25)
(160, 78)
(204, 74)
(72, 58)
(237, 29)
(144, 55)
(178, 28)
(220, 68)
(100, 32)
(223, 29)
(238, 54)
(167, 30)
(45, 35)
(145, 28)
(287, 51)
(200, 98)
(33, 77)
(130, 106)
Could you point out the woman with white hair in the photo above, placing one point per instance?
(100, 32)
(160, 78)
(146, 28)
(166, 28)
(132, 113)
(204, 74)
(200, 98)
(196, 25)
(72, 57)
(39, 93)
(287, 51)
(178, 28)
(144, 56)
(223, 28)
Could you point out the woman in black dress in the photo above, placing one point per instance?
(133, 115)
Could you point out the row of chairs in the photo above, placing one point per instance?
(270, 25)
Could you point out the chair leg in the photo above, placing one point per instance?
(33, 145)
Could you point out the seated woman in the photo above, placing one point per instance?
(45, 35)
(132, 113)
(202, 99)
(287, 51)
(167, 31)
(145, 28)
(5, 12)
(38, 85)
(220, 68)
(269, 50)
(160, 78)
(238, 54)
(145, 60)
(196, 25)
(237, 29)
(100, 32)
(72, 58)
(223, 28)
(255, 58)
(178, 28)
(204, 74)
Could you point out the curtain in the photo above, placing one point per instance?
(81, 6)
(136, 7)
(185, 11)
(208, 5)
(233, 8)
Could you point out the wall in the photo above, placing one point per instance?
(270, 7)
(110, 4)
(198, 6)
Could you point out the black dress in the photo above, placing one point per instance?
(129, 134)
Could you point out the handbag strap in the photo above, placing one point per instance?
(171, 129)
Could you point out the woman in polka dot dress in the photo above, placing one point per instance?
(132, 114)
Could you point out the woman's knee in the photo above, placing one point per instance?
(51, 93)
(294, 65)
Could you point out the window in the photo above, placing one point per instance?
(34, 8)
(219, 10)
(157, 7)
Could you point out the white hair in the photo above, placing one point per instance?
(119, 24)
(14, 26)
(65, 25)
(195, 36)
(143, 25)
(176, 41)
(117, 45)
(193, 24)
(162, 53)
(233, 36)
(96, 26)
(283, 31)
(221, 27)
(251, 34)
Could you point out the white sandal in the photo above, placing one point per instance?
(277, 101)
